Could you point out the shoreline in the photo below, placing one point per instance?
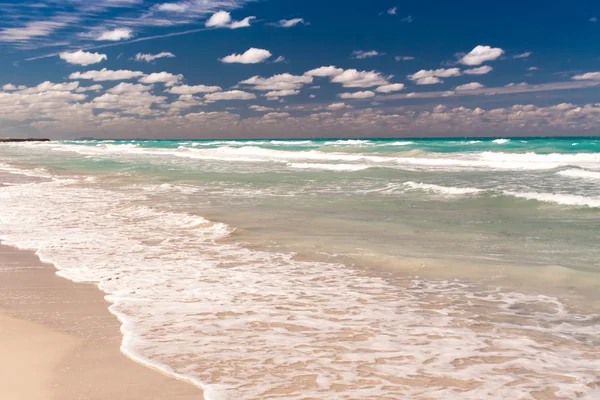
(60, 341)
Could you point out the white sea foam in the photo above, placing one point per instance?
(557, 198)
(445, 190)
(248, 324)
(500, 141)
(402, 160)
(580, 174)
(330, 167)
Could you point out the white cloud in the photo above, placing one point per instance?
(116, 35)
(279, 59)
(325, 71)
(222, 19)
(281, 93)
(404, 58)
(431, 76)
(81, 57)
(250, 56)
(48, 86)
(278, 82)
(590, 76)
(351, 78)
(408, 19)
(123, 88)
(92, 88)
(162, 77)
(9, 87)
(337, 106)
(532, 69)
(392, 11)
(230, 95)
(187, 90)
(289, 23)
(357, 95)
(106, 75)
(152, 57)
(30, 30)
(173, 7)
(469, 86)
(593, 19)
(478, 71)
(362, 54)
(260, 108)
(522, 55)
(481, 54)
(394, 87)
(276, 115)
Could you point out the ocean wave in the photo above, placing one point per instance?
(556, 198)
(500, 141)
(446, 190)
(412, 160)
(580, 173)
(306, 329)
(330, 167)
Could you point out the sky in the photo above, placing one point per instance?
(284, 68)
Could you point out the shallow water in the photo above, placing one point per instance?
(338, 269)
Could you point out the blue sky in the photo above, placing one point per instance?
(275, 68)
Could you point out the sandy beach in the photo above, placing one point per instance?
(59, 341)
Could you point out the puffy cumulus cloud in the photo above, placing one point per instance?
(128, 102)
(522, 55)
(115, 35)
(289, 23)
(48, 86)
(162, 77)
(430, 77)
(184, 102)
(250, 56)
(260, 108)
(481, 54)
(512, 84)
(273, 115)
(8, 87)
(222, 19)
(351, 78)
(123, 88)
(394, 87)
(278, 82)
(325, 71)
(274, 94)
(469, 86)
(230, 95)
(186, 90)
(337, 106)
(152, 57)
(362, 54)
(589, 76)
(81, 57)
(357, 95)
(478, 71)
(92, 88)
(106, 75)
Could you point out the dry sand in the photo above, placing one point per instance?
(58, 341)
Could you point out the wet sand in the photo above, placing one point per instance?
(59, 341)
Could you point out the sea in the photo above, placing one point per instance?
(454, 268)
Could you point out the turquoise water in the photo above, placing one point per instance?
(331, 268)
